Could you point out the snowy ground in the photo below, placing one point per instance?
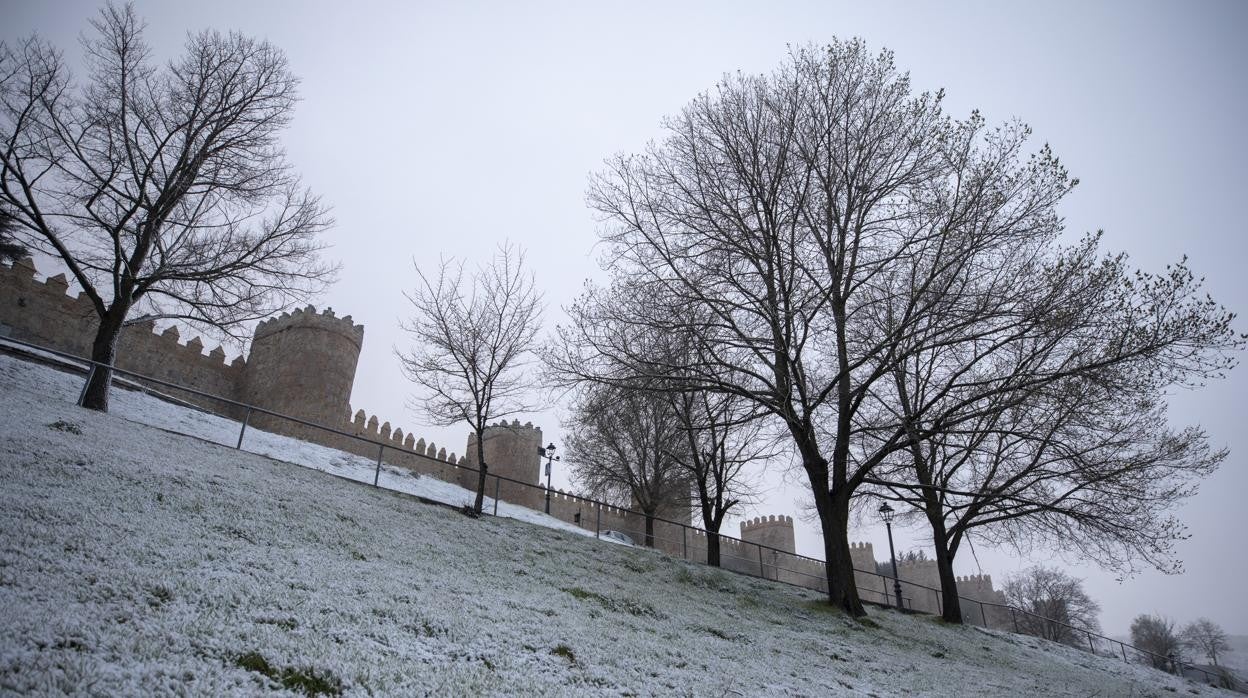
(148, 409)
(138, 561)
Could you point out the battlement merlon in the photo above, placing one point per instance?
(55, 287)
(308, 317)
(512, 426)
(766, 522)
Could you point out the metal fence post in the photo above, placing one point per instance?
(1124, 652)
(82, 395)
(762, 571)
(243, 430)
(381, 448)
(598, 524)
(983, 616)
(1014, 617)
(1090, 645)
(684, 542)
(497, 481)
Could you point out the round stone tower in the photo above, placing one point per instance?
(771, 531)
(303, 364)
(511, 451)
(774, 532)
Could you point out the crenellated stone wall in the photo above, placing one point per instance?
(45, 313)
(302, 364)
(511, 451)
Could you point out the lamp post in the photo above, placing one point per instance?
(886, 513)
(549, 452)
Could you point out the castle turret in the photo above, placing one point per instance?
(511, 451)
(303, 364)
(862, 555)
(771, 531)
(775, 534)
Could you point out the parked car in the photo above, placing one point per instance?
(617, 537)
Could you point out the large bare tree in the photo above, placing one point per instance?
(830, 228)
(785, 208)
(1041, 421)
(162, 188)
(471, 343)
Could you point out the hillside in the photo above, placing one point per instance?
(139, 561)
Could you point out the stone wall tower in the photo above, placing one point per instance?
(303, 364)
(771, 531)
(511, 450)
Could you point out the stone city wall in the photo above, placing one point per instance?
(44, 313)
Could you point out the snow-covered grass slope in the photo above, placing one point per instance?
(136, 561)
(139, 406)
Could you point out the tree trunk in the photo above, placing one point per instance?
(712, 547)
(951, 605)
(842, 589)
(482, 470)
(649, 529)
(104, 354)
(711, 522)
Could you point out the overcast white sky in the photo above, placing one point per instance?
(443, 128)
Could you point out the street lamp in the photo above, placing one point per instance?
(549, 452)
(886, 513)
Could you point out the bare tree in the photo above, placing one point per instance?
(10, 250)
(833, 230)
(471, 344)
(1203, 636)
(1156, 635)
(622, 447)
(721, 434)
(794, 210)
(769, 206)
(1056, 605)
(163, 190)
(722, 439)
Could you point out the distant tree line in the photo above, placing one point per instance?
(1167, 643)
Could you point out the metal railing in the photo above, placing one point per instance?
(736, 555)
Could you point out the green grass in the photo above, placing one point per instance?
(634, 608)
(309, 681)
